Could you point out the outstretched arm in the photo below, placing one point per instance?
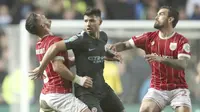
(51, 53)
(121, 46)
(64, 72)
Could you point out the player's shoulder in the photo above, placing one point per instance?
(180, 37)
(103, 35)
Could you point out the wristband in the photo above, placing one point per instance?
(79, 80)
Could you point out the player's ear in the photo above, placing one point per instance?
(100, 21)
(171, 19)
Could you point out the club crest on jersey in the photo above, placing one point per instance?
(173, 46)
(94, 109)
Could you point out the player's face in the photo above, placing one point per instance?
(43, 21)
(92, 23)
(161, 20)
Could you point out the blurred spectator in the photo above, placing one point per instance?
(120, 9)
(71, 14)
(55, 9)
(11, 94)
(151, 13)
(182, 14)
(5, 17)
(74, 9)
(137, 71)
(196, 13)
(100, 4)
(112, 77)
(190, 7)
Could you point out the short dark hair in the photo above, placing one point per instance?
(172, 13)
(31, 23)
(92, 11)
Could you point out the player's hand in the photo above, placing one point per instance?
(153, 57)
(36, 73)
(111, 47)
(88, 82)
(117, 57)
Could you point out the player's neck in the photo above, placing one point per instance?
(95, 35)
(44, 35)
(166, 33)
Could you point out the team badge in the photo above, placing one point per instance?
(186, 47)
(173, 46)
(94, 109)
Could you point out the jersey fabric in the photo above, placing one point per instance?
(53, 82)
(89, 59)
(163, 76)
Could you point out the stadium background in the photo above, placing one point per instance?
(129, 80)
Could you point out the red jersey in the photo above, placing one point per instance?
(164, 77)
(53, 82)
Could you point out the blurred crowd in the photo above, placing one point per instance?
(12, 11)
(131, 78)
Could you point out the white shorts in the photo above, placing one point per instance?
(176, 97)
(61, 103)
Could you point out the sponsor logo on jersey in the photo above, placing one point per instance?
(96, 59)
(40, 51)
(91, 49)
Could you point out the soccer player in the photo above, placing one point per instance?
(168, 53)
(56, 94)
(89, 50)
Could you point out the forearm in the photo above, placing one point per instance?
(175, 63)
(49, 55)
(122, 46)
(65, 73)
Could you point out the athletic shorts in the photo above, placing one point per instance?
(108, 101)
(175, 98)
(61, 103)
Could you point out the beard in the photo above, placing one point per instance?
(158, 26)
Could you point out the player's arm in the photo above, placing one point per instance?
(64, 72)
(111, 55)
(71, 61)
(51, 53)
(183, 56)
(121, 46)
(180, 63)
(135, 42)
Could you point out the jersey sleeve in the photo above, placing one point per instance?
(72, 42)
(184, 49)
(139, 41)
(60, 55)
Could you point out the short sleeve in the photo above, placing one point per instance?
(184, 49)
(72, 42)
(140, 40)
(60, 55)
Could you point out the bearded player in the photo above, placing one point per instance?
(168, 53)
